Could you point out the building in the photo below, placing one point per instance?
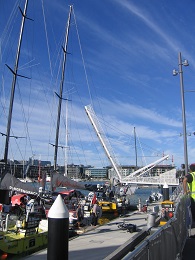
(96, 173)
(128, 169)
(32, 168)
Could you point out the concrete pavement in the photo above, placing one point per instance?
(99, 242)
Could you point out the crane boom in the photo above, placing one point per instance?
(110, 154)
(104, 141)
(146, 168)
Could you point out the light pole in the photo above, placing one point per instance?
(180, 72)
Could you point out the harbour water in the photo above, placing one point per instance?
(141, 193)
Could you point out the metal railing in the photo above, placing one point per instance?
(169, 240)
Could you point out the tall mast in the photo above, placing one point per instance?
(135, 148)
(14, 83)
(66, 141)
(61, 89)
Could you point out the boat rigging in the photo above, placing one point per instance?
(65, 47)
(15, 74)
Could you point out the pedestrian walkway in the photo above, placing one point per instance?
(108, 240)
(101, 239)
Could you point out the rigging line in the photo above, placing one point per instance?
(71, 141)
(75, 152)
(102, 121)
(56, 84)
(90, 131)
(77, 128)
(48, 102)
(143, 156)
(14, 13)
(16, 141)
(6, 43)
(23, 66)
(26, 65)
(25, 120)
(19, 150)
(90, 96)
(84, 155)
(47, 39)
(26, 116)
(3, 99)
(94, 142)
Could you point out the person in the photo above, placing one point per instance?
(99, 211)
(79, 215)
(189, 187)
(96, 213)
(111, 195)
(103, 195)
(94, 200)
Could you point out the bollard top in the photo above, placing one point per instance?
(58, 209)
(165, 186)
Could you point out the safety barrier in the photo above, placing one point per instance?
(168, 241)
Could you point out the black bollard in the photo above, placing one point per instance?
(165, 192)
(58, 230)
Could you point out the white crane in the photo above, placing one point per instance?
(104, 141)
(135, 177)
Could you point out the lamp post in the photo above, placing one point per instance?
(180, 72)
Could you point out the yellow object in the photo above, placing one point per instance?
(167, 202)
(108, 206)
(167, 211)
(162, 223)
(23, 238)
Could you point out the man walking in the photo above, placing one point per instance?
(189, 187)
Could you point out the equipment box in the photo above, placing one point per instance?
(167, 211)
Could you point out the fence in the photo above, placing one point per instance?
(169, 240)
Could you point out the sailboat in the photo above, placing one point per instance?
(24, 230)
(8, 181)
(56, 178)
(20, 230)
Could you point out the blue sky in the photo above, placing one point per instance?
(122, 57)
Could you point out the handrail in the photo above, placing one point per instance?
(175, 231)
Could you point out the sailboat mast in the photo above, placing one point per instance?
(14, 83)
(135, 139)
(66, 141)
(61, 89)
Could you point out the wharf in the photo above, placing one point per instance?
(99, 242)
(105, 241)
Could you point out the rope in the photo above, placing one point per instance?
(47, 38)
(90, 96)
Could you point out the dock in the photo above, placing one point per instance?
(99, 242)
(108, 241)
